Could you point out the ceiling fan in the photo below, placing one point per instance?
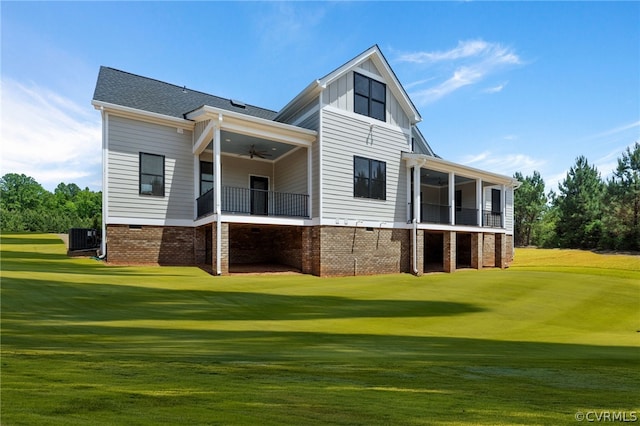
(253, 152)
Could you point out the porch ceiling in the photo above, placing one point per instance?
(433, 178)
(239, 144)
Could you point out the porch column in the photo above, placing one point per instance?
(449, 251)
(477, 241)
(501, 251)
(217, 194)
(479, 202)
(310, 181)
(452, 199)
(416, 194)
(503, 206)
(196, 183)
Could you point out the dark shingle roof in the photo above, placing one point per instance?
(134, 91)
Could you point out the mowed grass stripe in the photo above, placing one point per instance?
(85, 343)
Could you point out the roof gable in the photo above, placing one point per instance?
(371, 60)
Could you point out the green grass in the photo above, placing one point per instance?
(84, 343)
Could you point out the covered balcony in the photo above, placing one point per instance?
(248, 166)
(450, 194)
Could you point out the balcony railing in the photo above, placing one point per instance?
(491, 219)
(466, 216)
(434, 213)
(205, 203)
(256, 202)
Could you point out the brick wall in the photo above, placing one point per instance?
(450, 251)
(509, 244)
(162, 245)
(489, 251)
(358, 251)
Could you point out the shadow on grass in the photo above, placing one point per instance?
(57, 300)
(60, 263)
(22, 239)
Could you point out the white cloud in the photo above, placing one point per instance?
(282, 24)
(49, 137)
(505, 164)
(617, 130)
(472, 60)
(464, 49)
(495, 89)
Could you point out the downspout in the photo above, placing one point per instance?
(218, 195)
(103, 239)
(416, 212)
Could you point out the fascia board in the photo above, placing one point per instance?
(445, 166)
(256, 126)
(138, 113)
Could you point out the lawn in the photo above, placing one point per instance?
(84, 343)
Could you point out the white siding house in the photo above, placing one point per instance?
(339, 181)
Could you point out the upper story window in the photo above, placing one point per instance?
(369, 178)
(370, 97)
(206, 177)
(151, 174)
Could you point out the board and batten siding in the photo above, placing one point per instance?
(344, 137)
(127, 139)
(339, 94)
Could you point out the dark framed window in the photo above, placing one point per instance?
(369, 178)
(458, 194)
(496, 205)
(206, 176)
(370, 97)
(151, 174)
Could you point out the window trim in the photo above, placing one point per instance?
(140, 174)
(370, 98)
(370, 193)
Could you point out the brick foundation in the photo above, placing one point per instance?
(318, 250)
(489, 251)
(509, 249)
(161, 245)
(449, 251)
(362, 251)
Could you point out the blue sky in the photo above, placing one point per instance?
(502, 86)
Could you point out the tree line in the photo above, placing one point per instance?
(25, 206)
(587, 212)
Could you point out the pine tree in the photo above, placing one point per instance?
(580, 206)
(622, 218)
(529, 205)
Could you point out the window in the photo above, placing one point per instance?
(496, 205)
(458, 200)
(151, 174)
(206, 177)
(369, 178)
(370, 97)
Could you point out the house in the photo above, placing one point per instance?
(340, 181)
